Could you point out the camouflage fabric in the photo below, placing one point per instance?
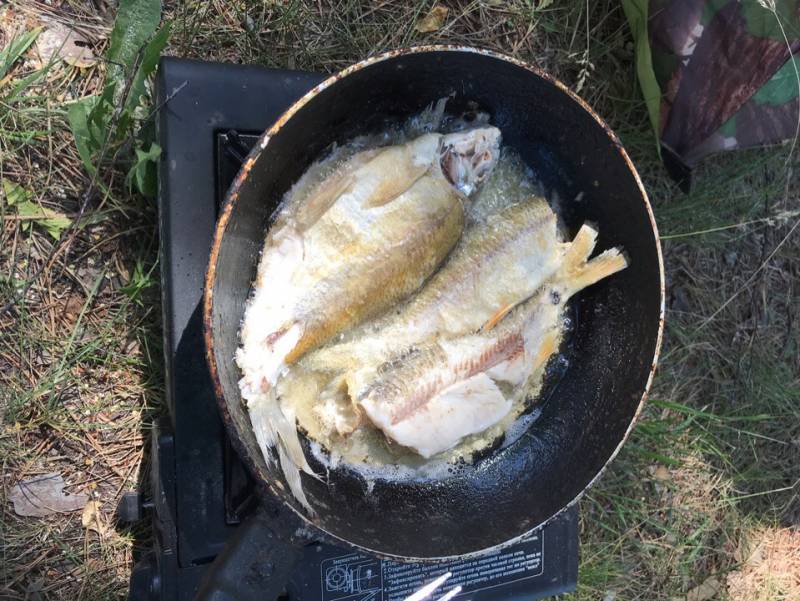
(725, 71)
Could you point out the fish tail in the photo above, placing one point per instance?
(603, 265)
(274, 427)
(578, 272)
(292, 475)
(581, 247)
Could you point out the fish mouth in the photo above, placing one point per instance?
(468, 157)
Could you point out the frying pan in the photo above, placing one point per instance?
(612, 350)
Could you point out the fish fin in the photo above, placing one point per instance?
(603, 265)
(274, 429)
(321, 199)
(581, 247)
(548, 344)
(578, 272)
(388, 190)
(263, 427)
(290, 439)
(330, 189)
(499, 315)
(292, 475)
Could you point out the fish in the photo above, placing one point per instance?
(443, 391)
(495, 266)
(369, 235)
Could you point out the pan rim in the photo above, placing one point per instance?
(227, 209)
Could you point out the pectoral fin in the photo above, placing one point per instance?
(499, 315)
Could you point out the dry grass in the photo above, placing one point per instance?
(771, 568)
(714, 465)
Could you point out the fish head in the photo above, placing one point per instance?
(468, 157)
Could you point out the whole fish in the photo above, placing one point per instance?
(362, 240)
(441, 392)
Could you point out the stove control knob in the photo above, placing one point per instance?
(131, 508)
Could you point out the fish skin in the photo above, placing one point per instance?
(497, 264)
(371, 235)
(420, 387)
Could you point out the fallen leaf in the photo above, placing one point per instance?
(69, 45)
(433, 20)
(545, 3)
(92, 519)
(661, 474)
(20, 198)
(44, 495)
(704, 592)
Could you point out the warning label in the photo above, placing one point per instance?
(355, 577)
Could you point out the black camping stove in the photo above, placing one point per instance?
(202, 502)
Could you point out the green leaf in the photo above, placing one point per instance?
(636, 13)
(144, 171)
(11, 53)
(14, 193)
(20, 198)
(78, 115)
(135, 24)
(150, 56)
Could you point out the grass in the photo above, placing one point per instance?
(710, 473)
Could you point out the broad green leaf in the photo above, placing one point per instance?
(18, 197)
(144, 171)
(78, 115)
(636, 13)
(15, 48)
(782, 87)
(135, 24)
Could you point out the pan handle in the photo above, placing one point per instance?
(256, 563)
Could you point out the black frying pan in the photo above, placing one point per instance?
(612, 351)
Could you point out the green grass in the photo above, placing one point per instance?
(716, 454)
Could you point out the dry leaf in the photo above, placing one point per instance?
(67, 44)
(44, 495)
(92, 519)
(433, 20)
(661, 473)
(704, 592)
(545, 3)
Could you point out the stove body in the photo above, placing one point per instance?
(211, 114)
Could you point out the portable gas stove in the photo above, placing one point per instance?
(201, 501)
